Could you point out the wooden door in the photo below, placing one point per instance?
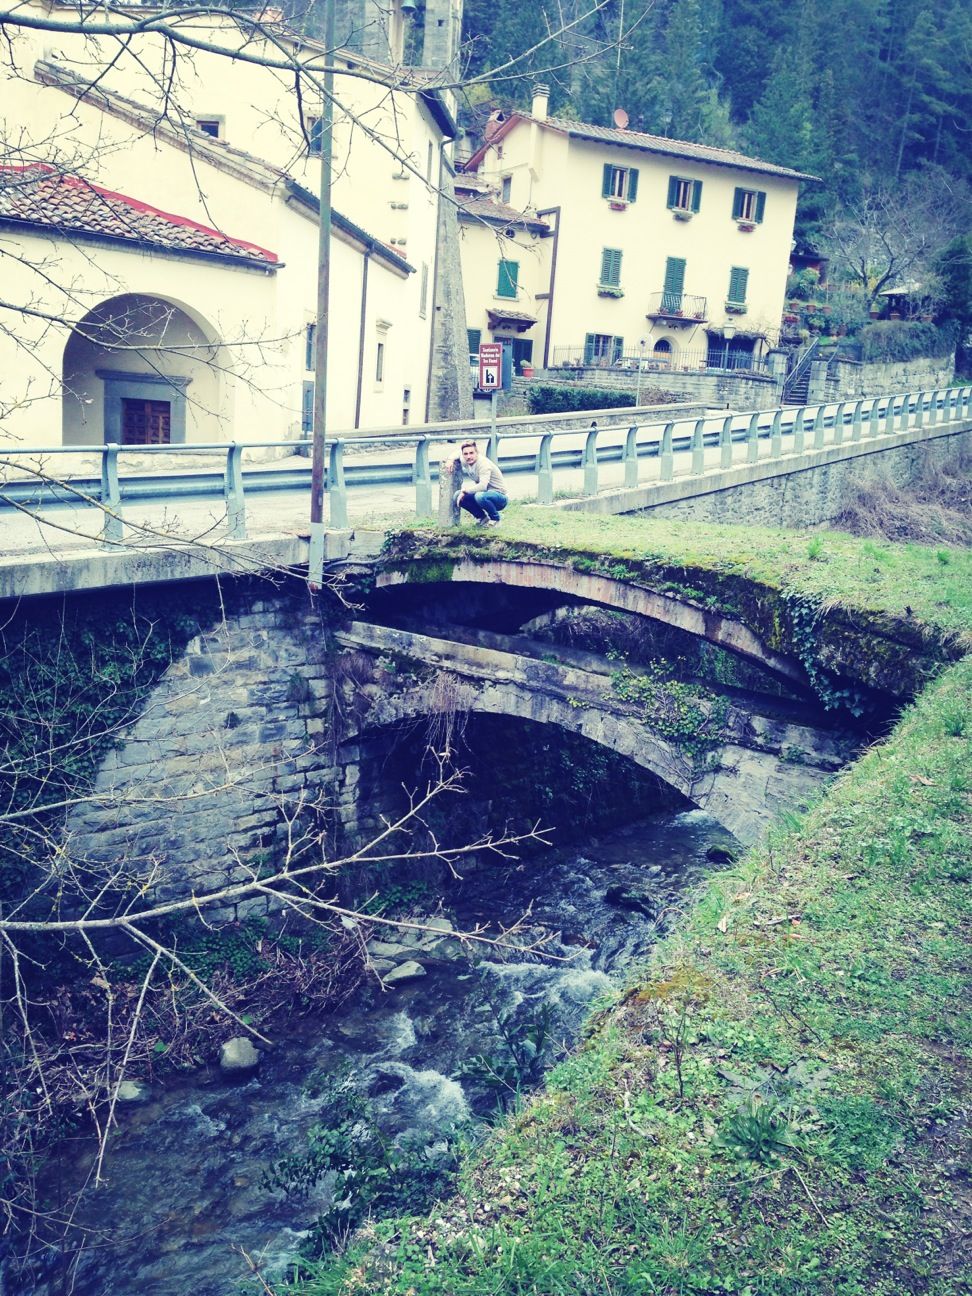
(145, 422)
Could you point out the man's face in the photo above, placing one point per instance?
(469, 455)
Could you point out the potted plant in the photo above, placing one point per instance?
(747, 227)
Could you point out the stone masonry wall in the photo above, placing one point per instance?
(816, 495)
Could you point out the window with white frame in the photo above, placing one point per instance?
(619, 184)
(748, 206)
(684, 195)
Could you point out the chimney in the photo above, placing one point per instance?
(541, 96)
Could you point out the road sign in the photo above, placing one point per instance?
(490, 366)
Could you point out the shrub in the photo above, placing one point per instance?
(546, 399)
(906, 339)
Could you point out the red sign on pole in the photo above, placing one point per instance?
(490, 366)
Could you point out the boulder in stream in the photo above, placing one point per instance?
(407, 971)
(133, 1091)
(238, 1056)
(621, 898)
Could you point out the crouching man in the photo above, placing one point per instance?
(483, 492)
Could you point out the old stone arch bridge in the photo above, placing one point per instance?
(279, 704)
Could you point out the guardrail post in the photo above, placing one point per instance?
(889, 416)
(856, 425)
(933, 407)
(752, 439)
(112, 527)
(544, 470)
(904, 414)
(631, 458)
(233, 493)
(337, 491)
(819, 430)
(951, 405)
(450, 480)
(839, 423)
(874, 419)
(776, 435)
(799, 430)
(698, 448)
(725, 443)
(422, 478)
(589, 461)
(667, 460)
(920, 404)
(492, 447)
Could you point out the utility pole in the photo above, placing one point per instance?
(315, 573)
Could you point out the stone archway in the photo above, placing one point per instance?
(140, 369)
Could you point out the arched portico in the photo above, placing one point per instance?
(141, 369)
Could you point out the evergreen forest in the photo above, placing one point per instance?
(874, 97)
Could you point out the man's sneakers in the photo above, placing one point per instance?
(492, 522)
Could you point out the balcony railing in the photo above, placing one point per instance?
(676, 306)
(719, 358)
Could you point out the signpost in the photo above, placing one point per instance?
(490, 366)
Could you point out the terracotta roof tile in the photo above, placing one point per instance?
(484, 207)
(38, 194)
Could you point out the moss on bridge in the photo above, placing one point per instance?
(854, 613)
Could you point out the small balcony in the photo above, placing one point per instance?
(676, 308)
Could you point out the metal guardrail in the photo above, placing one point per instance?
(786, 432)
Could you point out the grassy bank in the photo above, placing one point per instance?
(778, 1102)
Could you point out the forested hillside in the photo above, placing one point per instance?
(869, 95)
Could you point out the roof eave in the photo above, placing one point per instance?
(311, 202)
(747, 164)
(140, 244)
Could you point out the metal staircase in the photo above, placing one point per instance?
(796, 386)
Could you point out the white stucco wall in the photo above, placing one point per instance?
(549, 170)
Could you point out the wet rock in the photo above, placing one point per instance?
(387, 949)
(133, 1091)
(238, 1056)
(407, 971)
(721, 855)
(381, 965)
(385, 1082)
(621, 898)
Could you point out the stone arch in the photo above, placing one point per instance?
(744, 789)
(664, 351)
(141, 368)
(724, 631)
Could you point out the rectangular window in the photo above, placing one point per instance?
(506, 188)
(738, 282)
(506, 282)
(310, 346)
(314, 130)
(211, 126)
(674, 284)
(424, 291)
(684, 195)
(307, 408)
(748, 206)
(620, 184)
(610, 268)
(380, 363)
(602, 349)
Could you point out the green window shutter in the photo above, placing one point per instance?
(506, 282)
(589, 347)
(672, 191)
(738, 282)
(696, 195)
(737, 204)
(617, 349)
(632, 183)
(607, 181)
(674, 274)
(611, 267)
(474, 337)
(760, 206)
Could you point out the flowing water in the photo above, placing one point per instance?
(185, 1195)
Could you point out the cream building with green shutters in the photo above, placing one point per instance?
(626, 246)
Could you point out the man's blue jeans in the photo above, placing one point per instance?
(484, 504)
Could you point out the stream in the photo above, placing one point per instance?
(185, 1194)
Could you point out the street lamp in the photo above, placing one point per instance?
(641, 364)
(728, 333)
